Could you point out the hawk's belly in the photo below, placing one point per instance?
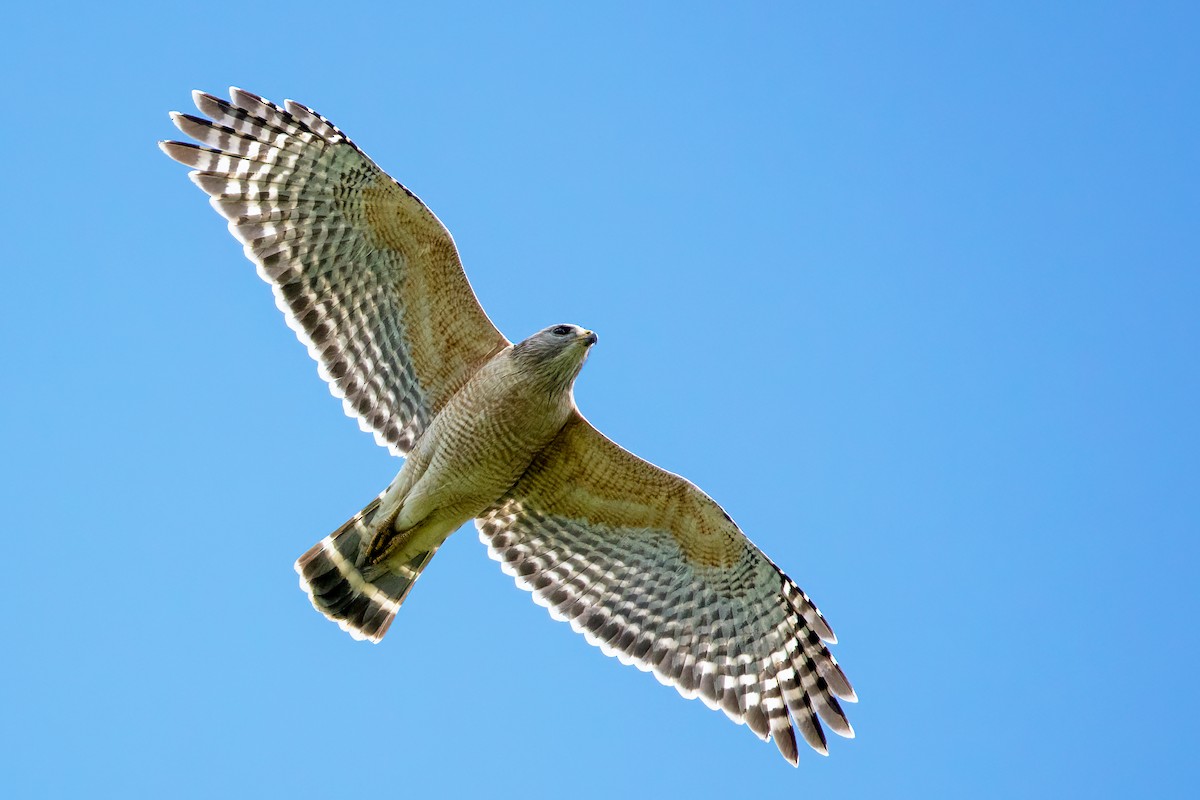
(474, 450)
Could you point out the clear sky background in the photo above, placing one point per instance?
(911, 289)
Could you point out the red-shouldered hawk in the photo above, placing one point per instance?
(640, 561)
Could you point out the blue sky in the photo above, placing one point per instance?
(911, 290)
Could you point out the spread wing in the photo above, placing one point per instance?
(653, 571)
(366, 275)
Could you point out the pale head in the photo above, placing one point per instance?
(555, 354)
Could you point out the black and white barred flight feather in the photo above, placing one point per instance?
(352, 256)
(684, 595)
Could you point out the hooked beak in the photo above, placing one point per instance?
(590, 338)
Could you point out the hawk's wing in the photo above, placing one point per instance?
(367, 276)
(653, 571)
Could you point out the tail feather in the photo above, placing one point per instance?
(362, 600)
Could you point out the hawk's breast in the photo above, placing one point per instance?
(487, 435)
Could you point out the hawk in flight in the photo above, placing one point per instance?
(640, 561)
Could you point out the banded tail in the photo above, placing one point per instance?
(361, 599)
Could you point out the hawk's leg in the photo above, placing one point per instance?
(393, 549)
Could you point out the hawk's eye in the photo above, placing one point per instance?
(561, 330)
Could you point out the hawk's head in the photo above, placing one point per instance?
(555, 354)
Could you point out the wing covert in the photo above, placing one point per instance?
(651, 570)
(366, 275)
